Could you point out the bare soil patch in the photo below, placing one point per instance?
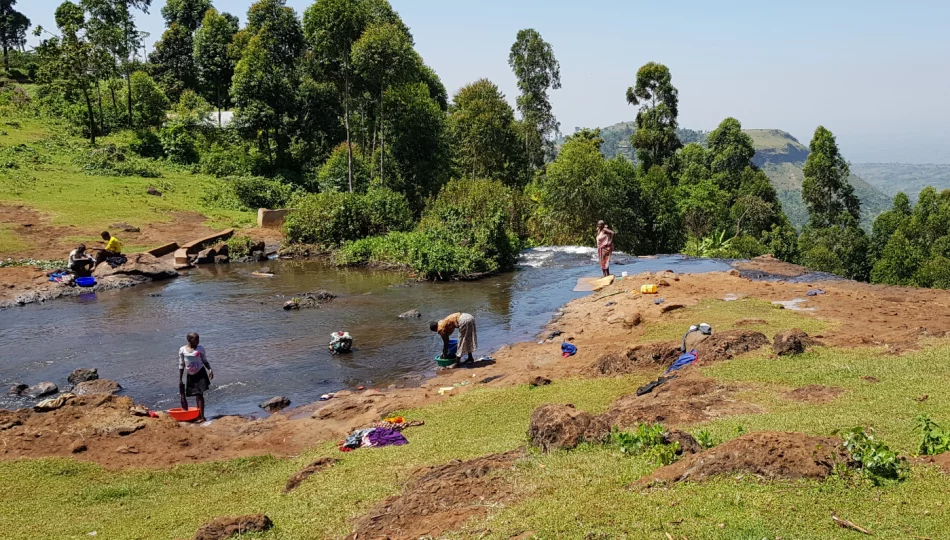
(294, 481)
(688, 399)
(226, 527)
(441, 499)
(768, 455)
(715, 348)
(814, 393)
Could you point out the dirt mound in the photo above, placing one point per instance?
(729, 344)
(440, 499)
(688, 443)
(688, 399)
(940, 460)
(791, 342)
(294, 481)
(226, 527)
(814, 393)
(770, 455)
(562, 426)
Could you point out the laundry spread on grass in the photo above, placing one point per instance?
(385, 433)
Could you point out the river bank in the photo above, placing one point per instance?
(603, 325)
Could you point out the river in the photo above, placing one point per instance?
(259, 351)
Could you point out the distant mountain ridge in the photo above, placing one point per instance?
(780, 155)
(892, 178)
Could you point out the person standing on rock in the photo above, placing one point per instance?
(194, 373)
(468, 336)
(605, 246)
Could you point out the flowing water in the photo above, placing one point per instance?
(259, 351)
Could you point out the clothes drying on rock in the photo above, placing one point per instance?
(373, 437)
(568, 349)
(653, 385)
(340, 342)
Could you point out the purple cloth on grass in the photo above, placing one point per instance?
(386, 437)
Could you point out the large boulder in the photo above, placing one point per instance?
(226, 527)
(139, 264)
(275, 404)
(97, 386)
(562, 426)
(41, 390)
(792, 341)
(82, 375)
(206, 256)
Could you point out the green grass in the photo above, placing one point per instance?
(48, 179)
(10, 241)
(724, 315)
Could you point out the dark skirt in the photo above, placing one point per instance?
(197, 384)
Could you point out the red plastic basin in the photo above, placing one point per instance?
(184, 416)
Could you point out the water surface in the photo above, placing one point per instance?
(258, 350)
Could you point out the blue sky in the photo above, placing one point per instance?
(876, 73)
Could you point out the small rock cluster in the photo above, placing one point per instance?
(82, 381)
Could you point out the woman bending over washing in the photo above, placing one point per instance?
(468, 336)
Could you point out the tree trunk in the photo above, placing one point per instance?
(115, 102)
(382, 142)
(92, 118)
(217, 91)
(128, 85)
(6, 57)
(346, 117)
(102, 116)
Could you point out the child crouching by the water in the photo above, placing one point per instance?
(194, 373)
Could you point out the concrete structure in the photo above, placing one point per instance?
(161, 251)
(192, 248)
(271, 219)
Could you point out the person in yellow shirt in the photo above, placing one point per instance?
(113, 248)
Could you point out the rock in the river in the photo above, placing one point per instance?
(206, 256)
(139, 264)
(275, 404)
(222, 249)
(41, 390)
(98, 386)
(16, 389)
(411, 314)
(221, 259)
(82, 375)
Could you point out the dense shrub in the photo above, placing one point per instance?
(334, 175)
(226, 161)
(423, 252)
(248, 193)
(839, 249)
(110, 160)
(330, 219)
(472, 227)
(147, 144)
(934, 273)
(179, 142)
(149, 103)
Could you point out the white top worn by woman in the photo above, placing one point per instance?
(192, 361)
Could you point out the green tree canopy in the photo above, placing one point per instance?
(538, 71)
(13, 27)
(213, 61)
(484, 134)
(173, 62)
(826, 191)
(655, 139)
(187, 13)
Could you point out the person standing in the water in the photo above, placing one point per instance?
(194, 373)
(605, 246)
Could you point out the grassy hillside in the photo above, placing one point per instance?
(910, 178)
(56, 190)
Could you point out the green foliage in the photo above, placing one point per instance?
(149, 101)
(226, 160)
(648, 439)
(936, 440)
(655, 138)
(838, 249)
(333, 175)
(716, 246)
(179, 142)
(330, 219)
(214, 65)
(934, 273)
(110, 160)
(239, 246)
(255, 192)
(826, 190)
(878, 463)
(43, 265)
(484, 134)
(538, 71)
(426, 253)
(172, 61)
(705, 439)
(147, 144)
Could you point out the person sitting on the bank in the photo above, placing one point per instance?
(194, 373)
(468, 336)
(80, 262)
(113, 248)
